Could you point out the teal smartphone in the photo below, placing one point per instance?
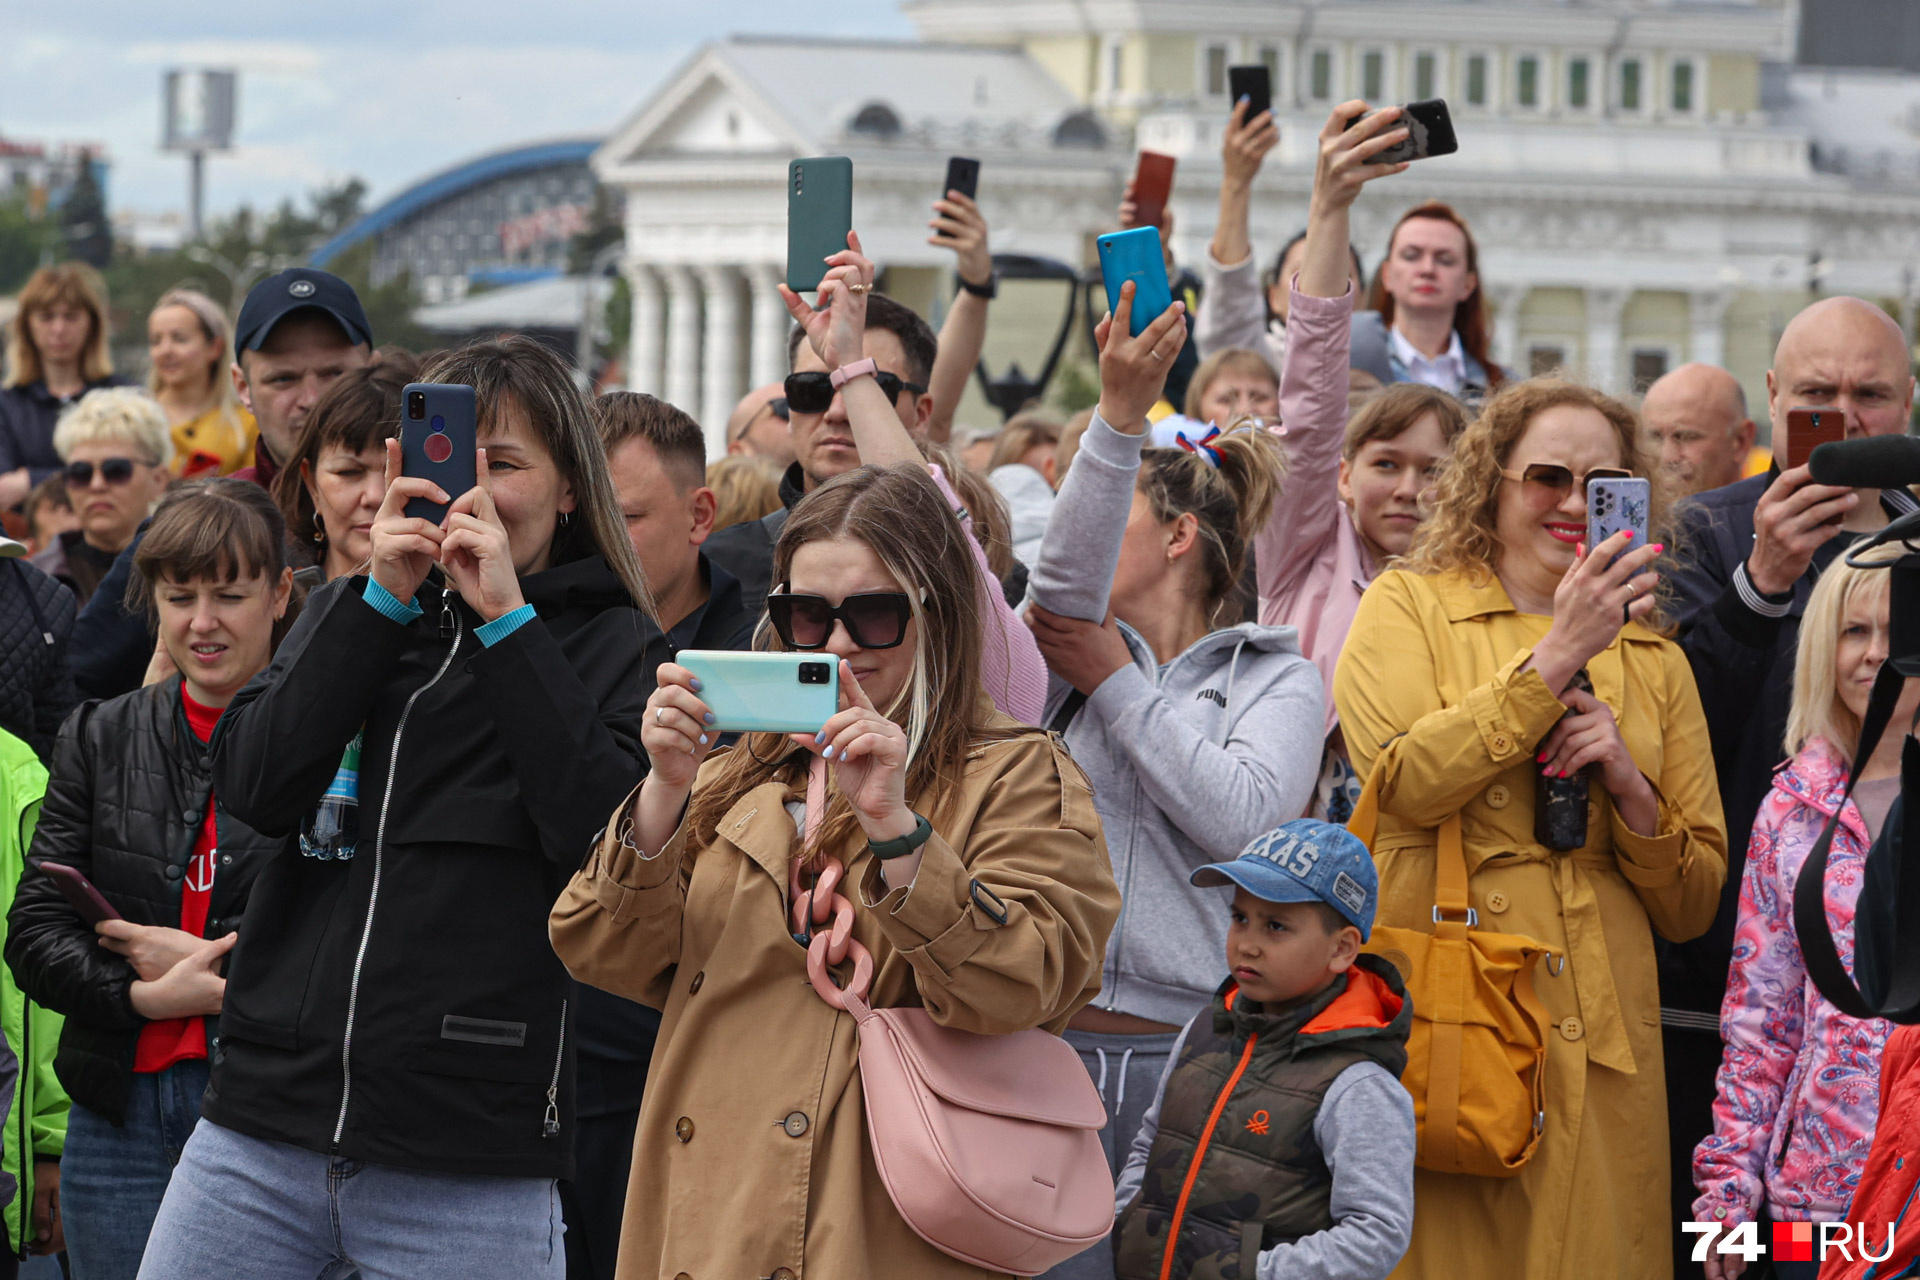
(438, 432)
(1136, 255)
(819, 215)
(766, 692)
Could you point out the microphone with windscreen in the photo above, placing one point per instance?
(1876, 462)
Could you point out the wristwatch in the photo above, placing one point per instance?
(989, 290)
(848, 372)
(901, 846)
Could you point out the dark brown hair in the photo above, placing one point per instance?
(221, 529)
(359, 411)
(676, 437)
(1389, 412)
(1470, 316)
(916, 336)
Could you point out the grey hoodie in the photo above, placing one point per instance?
(1189, 762)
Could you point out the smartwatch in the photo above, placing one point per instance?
(989, 290)
(901, 846)
(848, 372)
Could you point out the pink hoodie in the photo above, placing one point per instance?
(1799, 1084)
(1310, 561)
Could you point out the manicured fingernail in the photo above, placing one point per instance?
(827, 754)
(819, 737)
(1541, 758)
(1629, 534)
(703, 739)
(694, 684)
(1659, 546)
(709, 717)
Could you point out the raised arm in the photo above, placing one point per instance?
(961, 227)
(1233, 311)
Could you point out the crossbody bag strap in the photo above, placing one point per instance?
(1449, 855)
(1069, 708)
(1810, 926)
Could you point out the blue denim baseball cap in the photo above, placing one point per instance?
(1304, 861)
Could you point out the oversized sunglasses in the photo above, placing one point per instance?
(1551, 477)
(812, 392)
(112, 470)
(875, 620)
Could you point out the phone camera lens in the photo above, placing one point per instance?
(417, 405)
(438, 424)
(813, 673)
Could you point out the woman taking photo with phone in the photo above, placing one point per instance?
(189, 349)
(971, 849)
(132, 806)
(395, 1086)
(1459, 687)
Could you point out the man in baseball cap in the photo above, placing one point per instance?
(298, 332)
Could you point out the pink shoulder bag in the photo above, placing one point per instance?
(988, 1145)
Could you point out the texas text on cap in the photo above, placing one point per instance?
(299, 289)
(1304, 861)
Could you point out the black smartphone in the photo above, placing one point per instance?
(1429, 132)
(1252, 83)
(963, 175)
(438, 432)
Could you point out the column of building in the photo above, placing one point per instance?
(688, 324)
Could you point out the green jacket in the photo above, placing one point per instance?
(39, 1115)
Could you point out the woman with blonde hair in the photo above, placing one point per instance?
(56, 353)
(970, 846)
(1459, 688)
(746, 486)
(1799, 1086)
(190, 345)
(115, 446)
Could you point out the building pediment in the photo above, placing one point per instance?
(707, 109)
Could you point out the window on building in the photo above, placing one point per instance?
(1373, 75)
(1477, 79)
(1270, 59)
(1681, 99)
(1424, 75)
(1578, 89)
(1630, 72)
(1649, 366)
(1543, 359)
(1526, 80)
(1115, 54)
(1320, 74)
(1216, 70)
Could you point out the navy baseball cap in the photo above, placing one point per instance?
(1305, 861)
(299, 289)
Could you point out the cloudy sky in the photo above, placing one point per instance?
(390, 90)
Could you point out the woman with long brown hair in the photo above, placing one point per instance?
(56, 353)
(1429, 320)
(1459, 688)
(970, 845)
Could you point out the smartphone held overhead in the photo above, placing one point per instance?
(1136, 255)
(438, 433)
(766, 692)
(1429, 132)
(1152, 187)
(819, 216)
(1253, 84)
(963, 177)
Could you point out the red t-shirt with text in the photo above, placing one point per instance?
(172, 1040)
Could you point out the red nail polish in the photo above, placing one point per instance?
(1659, 546)
(1629, 534)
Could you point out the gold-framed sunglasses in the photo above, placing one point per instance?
(1553, 478)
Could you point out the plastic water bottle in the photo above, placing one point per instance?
(332, 830)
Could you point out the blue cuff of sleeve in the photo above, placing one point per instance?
(383, 600)
(492, 633)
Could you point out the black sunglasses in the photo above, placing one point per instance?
(812, 392)
(875, 620)
(112, 470)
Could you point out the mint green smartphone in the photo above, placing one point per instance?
(766, 692)
(819, 215)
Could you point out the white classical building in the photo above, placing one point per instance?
(1650, 181)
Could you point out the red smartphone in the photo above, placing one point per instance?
(1807, 429)
(1152, 185)
(79, 891)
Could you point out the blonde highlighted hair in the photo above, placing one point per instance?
(1243, 360)
(1816, 710)
(73, 284)
(214, 327)
(117, 415)
(1229, 501)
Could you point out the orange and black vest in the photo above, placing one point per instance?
(1235, 1168)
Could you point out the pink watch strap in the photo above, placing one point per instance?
(848, 372)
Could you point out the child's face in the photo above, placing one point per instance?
(1281, 951)
(49, 520)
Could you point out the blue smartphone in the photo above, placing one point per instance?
(1136, 255)
(1617, 504)
(819, 215)
(438, 432)
(766, 692)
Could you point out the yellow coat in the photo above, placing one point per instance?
(1429, 691)
(721, 1186)
(217, 442)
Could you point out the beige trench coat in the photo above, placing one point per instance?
(1430, 691)
(751, 1157)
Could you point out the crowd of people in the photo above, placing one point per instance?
(431, 925)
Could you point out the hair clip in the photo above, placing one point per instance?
(1203, 446)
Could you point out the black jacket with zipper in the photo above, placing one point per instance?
(125, 806)
(403, 1006)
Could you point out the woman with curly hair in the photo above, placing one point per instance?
(1459, 685)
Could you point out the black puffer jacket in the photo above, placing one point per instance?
(404, 1006)
(125, 806)
(36, 688)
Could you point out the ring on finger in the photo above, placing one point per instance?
(859, 288)
(659, 715)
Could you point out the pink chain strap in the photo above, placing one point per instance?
(816, 905)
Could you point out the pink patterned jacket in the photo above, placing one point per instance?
(1799, 1083)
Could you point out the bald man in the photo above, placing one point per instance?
(1697, 415)
(758, 425)
(1749, 555)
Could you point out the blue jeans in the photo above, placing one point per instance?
(270, 1211)
(111, 1180)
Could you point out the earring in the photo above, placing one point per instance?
(566, 518)
(319, 536)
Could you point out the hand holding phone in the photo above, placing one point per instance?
(1429, 133)
(762, 692)
(1135, 255)
(1806, 430)
(1251, 84)
(438, 434)
(1133, 366)
(1618, 505)
(79, 892)
(868, 753)
(405, 548)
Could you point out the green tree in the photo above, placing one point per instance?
(25, 243)
(83, 218)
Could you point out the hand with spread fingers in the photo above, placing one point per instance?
(475, 552)
(836, 322)
(869, 755)
(405, 547)
(1133, 371)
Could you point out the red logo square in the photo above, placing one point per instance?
(1793, 1242)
